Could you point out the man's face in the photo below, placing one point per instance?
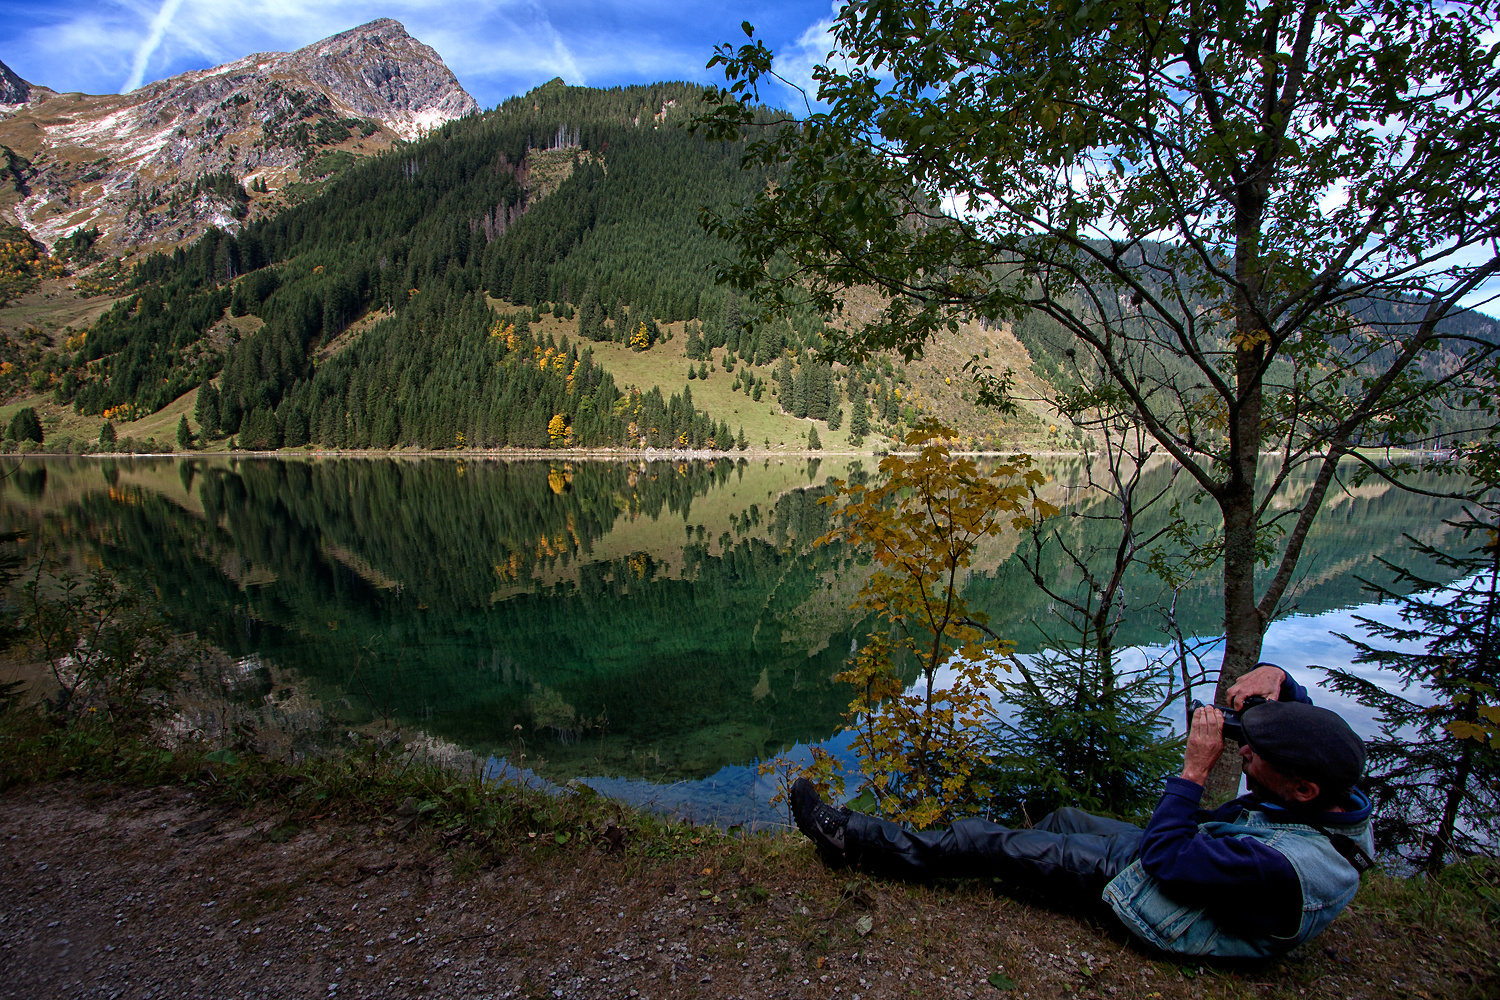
(1267, 782)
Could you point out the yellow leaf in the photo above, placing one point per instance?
(1468, 730)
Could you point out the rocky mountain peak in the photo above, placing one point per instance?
(378, 70)
(13, 89)
(213, 147)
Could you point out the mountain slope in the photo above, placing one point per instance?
(168, 161)
(408, 241)
(14, 91)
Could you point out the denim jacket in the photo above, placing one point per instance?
(1328, 883)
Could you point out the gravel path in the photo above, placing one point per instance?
(149, 894)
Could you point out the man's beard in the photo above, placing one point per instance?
(1260, 792)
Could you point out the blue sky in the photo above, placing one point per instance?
(496, 48)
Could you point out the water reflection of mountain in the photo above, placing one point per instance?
(1359, 524)
(637, 618)
(477, 597)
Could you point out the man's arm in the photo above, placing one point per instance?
(1238, 879)
(1215, 872)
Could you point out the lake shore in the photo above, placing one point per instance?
(141, 888)
(612, 454)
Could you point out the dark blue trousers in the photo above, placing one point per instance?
(1070, 853)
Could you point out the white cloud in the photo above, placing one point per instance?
(795, 64)
(520, 39)
(147, 48)
(496, 48)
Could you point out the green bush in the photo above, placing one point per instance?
(111, 655)
(24, 426)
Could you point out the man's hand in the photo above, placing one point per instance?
(1205, 744)
(1264, 680)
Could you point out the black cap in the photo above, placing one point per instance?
(1306, 742)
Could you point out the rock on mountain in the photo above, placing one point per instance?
(379, 71)
(13, 90)
(213, 147)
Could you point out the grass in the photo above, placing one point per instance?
(776, 904)
(382, 776)
(53, 308)
(665, 366)
(936, 379)
(61, 423)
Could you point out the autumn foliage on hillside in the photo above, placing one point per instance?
(23, 263)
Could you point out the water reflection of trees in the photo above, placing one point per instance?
(416, 591)
(1357, 525)
(471, 597)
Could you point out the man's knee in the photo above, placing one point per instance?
(1068, 819)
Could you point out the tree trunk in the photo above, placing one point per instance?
(1243, 626)
(1444, 839)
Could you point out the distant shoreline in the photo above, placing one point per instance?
(612, 454)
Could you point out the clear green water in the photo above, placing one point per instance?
(642, 623)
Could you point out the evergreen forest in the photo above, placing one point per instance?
(442, 255)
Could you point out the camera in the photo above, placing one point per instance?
(1233, 728)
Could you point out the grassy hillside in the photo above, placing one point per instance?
(534, 277)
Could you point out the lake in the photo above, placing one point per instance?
(652, 628)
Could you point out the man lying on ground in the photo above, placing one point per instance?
(1251, 879)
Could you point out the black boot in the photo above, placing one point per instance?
(822, 823)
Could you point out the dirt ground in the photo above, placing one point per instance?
(133, 894)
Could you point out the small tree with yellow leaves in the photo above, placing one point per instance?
(923, 751)
(557, 429)
(824, 771)
(640, 340)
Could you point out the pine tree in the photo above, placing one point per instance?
(742, 442)
(819, 390)
(25, 426)
(813, 444)
(802, 391)
(619, 322)
(729, 323)
(836, 418)
(784, 383)
(1434, 772)
(184, 434)
(107, 433)
(258, 431)
(207, 410)
(859, 419)
(590, 313)
(292, 415)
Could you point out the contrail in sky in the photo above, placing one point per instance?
(149, 43)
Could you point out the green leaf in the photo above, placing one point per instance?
(222, 757)
(427, 805)
(1001, 981)
(563, 838)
